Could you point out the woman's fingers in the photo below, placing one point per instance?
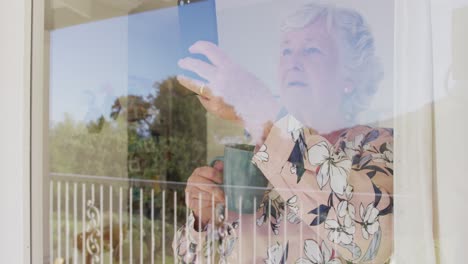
(195, 86)
(210, 105)
(203, 69)
(209, 173)
(211, 51)
(198, 206)
(205, 181)
(219, 166)
(204, 196)
(199, 199)
(206, 191)
(219, 108)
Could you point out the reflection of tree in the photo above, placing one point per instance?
(164, 135)
(138, 112)
(96, 126)
(166, 132)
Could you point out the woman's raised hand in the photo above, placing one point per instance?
(230, 92)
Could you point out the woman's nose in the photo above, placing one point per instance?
(295, 62)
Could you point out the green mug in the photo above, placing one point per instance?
(243, 181)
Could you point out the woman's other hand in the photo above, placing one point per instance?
(203, 188)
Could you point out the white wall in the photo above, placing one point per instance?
(14, 132)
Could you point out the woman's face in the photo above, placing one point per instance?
(312, 86)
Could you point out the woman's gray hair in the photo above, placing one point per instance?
(356, 42)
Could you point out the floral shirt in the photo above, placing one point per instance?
(331, 201)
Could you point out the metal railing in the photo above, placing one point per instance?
(114, 220)
(101, 220)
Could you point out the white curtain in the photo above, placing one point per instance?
(430, 124)
(450, 38)
(414, 204)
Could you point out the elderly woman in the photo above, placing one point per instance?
(331, 181)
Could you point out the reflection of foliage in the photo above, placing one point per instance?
(98, 148)
(138, 112)
(166, 132)
(96, 127)
(161, 136)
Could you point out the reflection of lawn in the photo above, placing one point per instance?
(128, 245)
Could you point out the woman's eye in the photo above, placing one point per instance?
(287, 52)
(310, 51)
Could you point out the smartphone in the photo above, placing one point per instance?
(197, 21)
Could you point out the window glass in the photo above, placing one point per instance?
(237, 131)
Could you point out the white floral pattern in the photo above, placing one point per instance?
(187, 249)
(370, 218)
(275, 254)
(355, 147)
(293, 169)
(261, 155)
(346, 209)
(294, 128)
(340, 233)
(317, 254)
(333, 167)
(386, 156)
(293, 216)
(352, 147)
(273, 209)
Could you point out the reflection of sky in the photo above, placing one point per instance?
(88, 64)
(92, 64)
(153, 51)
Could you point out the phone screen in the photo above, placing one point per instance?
(197, 20)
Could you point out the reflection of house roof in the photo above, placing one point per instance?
(61, 13)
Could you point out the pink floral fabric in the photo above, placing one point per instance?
(331, 201)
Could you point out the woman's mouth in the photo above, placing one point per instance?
(297, 84)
